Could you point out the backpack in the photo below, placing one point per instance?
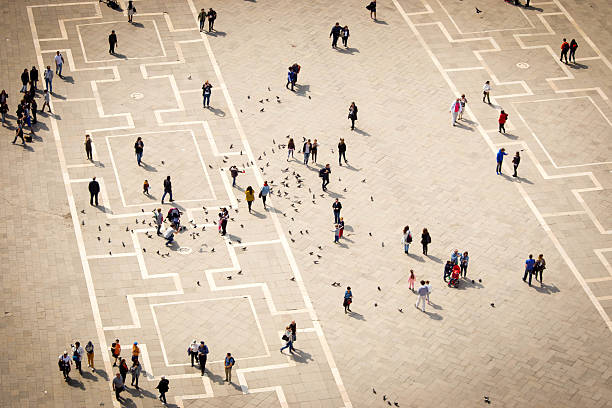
(409, 237)
(322, 172)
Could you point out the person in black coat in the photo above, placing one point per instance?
(335, 33)
(34, 76)
(94, 189)
(425, 240)
(352, 114)
(163, 387)
(25, 79)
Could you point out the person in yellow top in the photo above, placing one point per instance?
(135, 351)
(250, 196)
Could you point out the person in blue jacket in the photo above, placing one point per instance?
(500, 159)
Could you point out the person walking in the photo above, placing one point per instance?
(234, 173)
(290, 78)
(324, 174)
(425, 240)
(500, 158)
(34, 77)
(47, 99)
(337, 206)
(163, 386)
(112, 42)
(288, 337)
(159, 219)
(529, 265)
(202, 19)
(428, 291)
(123, 369)
(212, 16)
(118, 386)
(206, 91)
(334, 34)
(145, 187)
(503, 117)
(64, 365)
(352, 115)
(89, 349)
(48, 75)
(250, 197)
(565, 47)
(306, 150)
(342, 152)
(202, 356)
(463, 263)
(290, 148)
(313, 151)
(94, 190)
(573, 46)
(59, 63)
(135, 370)
(88, 148)
(539, 267)
(116, 351)
(463, 101)
(406, 239)
(372, 8)
(139, 149)
(422, 292)
(25, 79)
(345, 36)
(515, 162)
(229, 363)
(263, 193)
(167, 189)
(293, 328)
(131, 10)
(486, 90)
(135, 351)
(348, 299)
(19, 132)
(455, 110)
(411, 280)
(77, 355)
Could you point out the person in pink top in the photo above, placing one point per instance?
(411, 281)
(455, 110)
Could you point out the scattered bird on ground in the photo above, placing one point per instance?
(212, 250)
(248, 96)
(261, 101)
(198, 282)
(384, 397)
(229, 277)
(292, 279)
(487, 400)
(123, 243)
(158, 252)
(145, 250)
(378, 287)
(371, 198)
(83, 222)
(478, 11)
(363, 181)
(292, 240)
(99, 228)
(309, 97)
(142, 209)
(319, 256)
(375, 304)
(316, 262)
(240, 272)
(127, 229)
(370, 233)
(162, 162)
(268, 88)
(241, 111)
(492, 304)
(373, 390)
(396, 404)
(479, 280)
(383, 244)
(109, 240)
(82, 211)
(110, 253)
(189, 77)
(400, 310)
(320, 247)
(231, 146)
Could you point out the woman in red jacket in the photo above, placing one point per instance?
(503, 117)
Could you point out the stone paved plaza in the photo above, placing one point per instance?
(73, 272)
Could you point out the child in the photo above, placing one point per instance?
(428, 290)
(337, 233)
(145, 187)
(411, 281)
(463, 101)
(341, 227)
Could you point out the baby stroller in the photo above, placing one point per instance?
(174, 215)
(455, 274)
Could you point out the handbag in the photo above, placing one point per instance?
(285, 338)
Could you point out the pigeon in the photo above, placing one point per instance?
(240, 272)
(142, 209)
(319, 256)
(123, 243)
(127, 229)
(292, 240)
(371, 198)
(370, 233)
(145, 250)
(384, 397)
(292, 279)
(158, 252)
(229, 277)
(309, 97)
(373, 390)
(478, 11)
(82, 211)
(212, 250)
(479, 280)
(189, 77)
(316, 262)
(162, 162)
(110, 253)
(248, 96)
(400, 310)
(375, 305)
(231, 146)
(492, 304)
(109, 240)
(396, 404)
(198, 282)
(268, 88)
(241, 225)
(83, 222)
(378, 287)
(320, 247)
(383, 244)
(99, 228)
(261, 101)
(241, 111)
(363, 181)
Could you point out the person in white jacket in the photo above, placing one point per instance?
(455, 110)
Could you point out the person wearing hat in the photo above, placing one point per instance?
(202, 356)
(163, 387)
(135, 352)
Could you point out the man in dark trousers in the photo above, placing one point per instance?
(212, 16)
(564, 50)
(112, 42)
(529, 269)
(337, 206)
(167, 189)
(202, 356)
(25, 79)
(163, 387)
(94, 189)
(335, 33)
(34, 76)
(324, 174)
(515, 162)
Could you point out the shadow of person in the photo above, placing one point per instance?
(416, 257)
(535, 8)
(68, 79)
(216, 33)
(523, 180)
(139, 25)
(89, 376)
(361, 132)
(73, 382)
(357, 316)
(301, 356)
(217, 112)
(434, 258)
(301, 89)
(119, 56)
(217, 379)
(349, 50)
(546, 289)
(101, 373)
(435, 306)
(383, 22)
(148, 167)
(510, 136)
(434, 316)
(575, 65)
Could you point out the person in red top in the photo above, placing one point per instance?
(503, 117)
(564, 49)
